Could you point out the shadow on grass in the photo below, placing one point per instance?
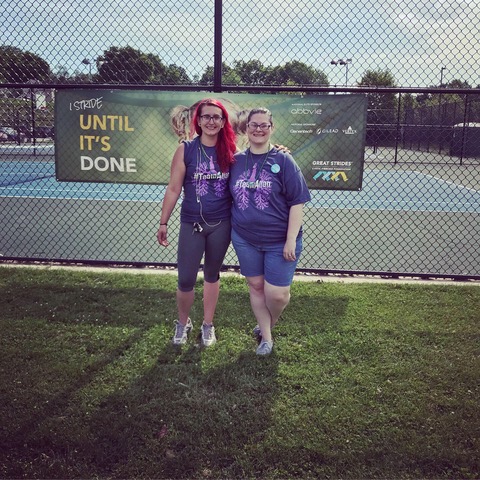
(134, 405)
(186, 418)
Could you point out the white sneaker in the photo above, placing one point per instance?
(265, 348)
(181, 332)
(208, 335)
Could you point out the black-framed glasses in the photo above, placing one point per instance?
(209, 118)
(262, 126)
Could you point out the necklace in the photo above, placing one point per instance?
(202, 149)
(253, 180)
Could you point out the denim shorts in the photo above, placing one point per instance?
(266, 260)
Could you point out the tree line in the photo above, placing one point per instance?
(126, 65)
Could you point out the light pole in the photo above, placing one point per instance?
(346, 62)
(86, 61)
(441, 76)
(440, 113)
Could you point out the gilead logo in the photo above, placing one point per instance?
(326, 130)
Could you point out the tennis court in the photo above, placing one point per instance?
(382, 190)
(402, 220)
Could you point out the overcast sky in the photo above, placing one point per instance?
(412, 39)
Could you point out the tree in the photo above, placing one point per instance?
(228, 76)
(452, 105)
(250, 73)
(159, 72)
(63, 76)
(458, 84)
(429, 99)
(207, 77)
(253, 73)
(231, 77)
(295, 73)
(175, 75)
(381, 106)
(17, 66)
(126, 65)
(60, 74)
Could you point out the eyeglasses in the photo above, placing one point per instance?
(208, 118)
(262, 126)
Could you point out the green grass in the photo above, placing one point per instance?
(366, 381)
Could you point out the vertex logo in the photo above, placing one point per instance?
(349, 131)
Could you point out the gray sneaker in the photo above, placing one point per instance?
(208, 335)
(257, 333)
(181, 332)
(265, 348)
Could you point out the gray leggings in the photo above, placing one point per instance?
(211, 241)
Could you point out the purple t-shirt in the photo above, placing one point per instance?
(264, 187)
(205, 186)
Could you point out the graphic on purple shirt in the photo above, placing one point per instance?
(263, 193)
(206, 193)
(206, 172)
(262, 186)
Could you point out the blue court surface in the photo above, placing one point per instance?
(381, 190)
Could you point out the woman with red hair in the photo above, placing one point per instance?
(200, 167)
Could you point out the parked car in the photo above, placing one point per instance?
(44, 132)
(8, 134)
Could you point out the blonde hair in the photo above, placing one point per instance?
(181, 118)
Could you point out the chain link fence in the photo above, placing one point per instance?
(417, 213)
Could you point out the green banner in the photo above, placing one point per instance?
(126, 136)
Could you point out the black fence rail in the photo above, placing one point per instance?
(449, 128)
(417, 213)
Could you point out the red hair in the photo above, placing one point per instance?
(226, 143)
